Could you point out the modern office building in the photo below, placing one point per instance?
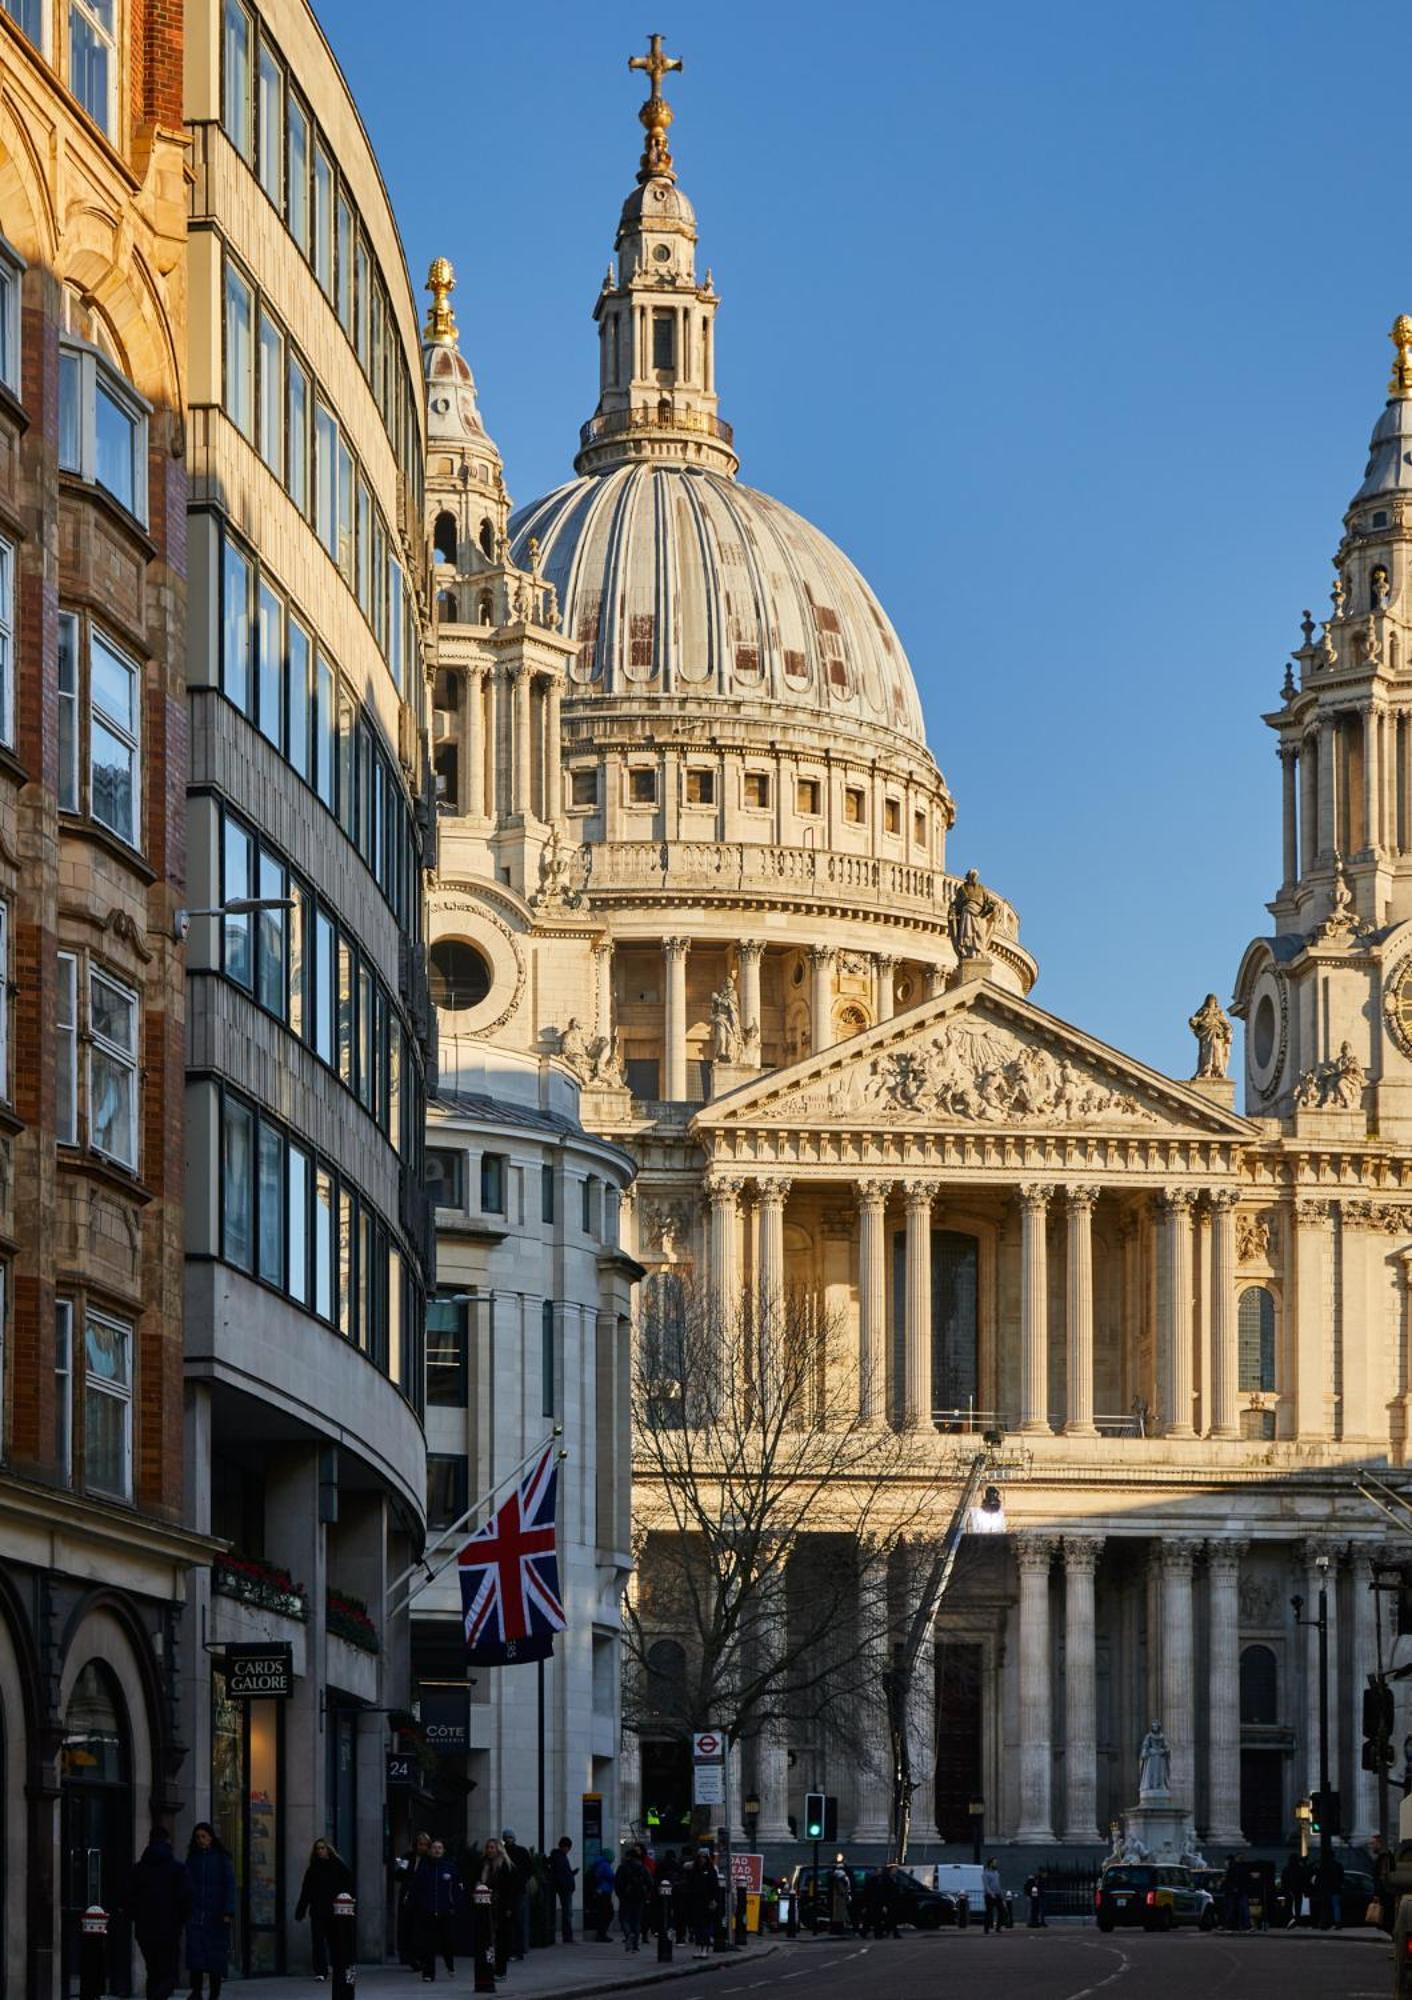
(529, 1328)
(309, 1029)
(93, 1556)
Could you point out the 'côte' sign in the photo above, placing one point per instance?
(259, 1673)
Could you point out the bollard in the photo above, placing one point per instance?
(343, 1947)
(963, 1911)
(483, 1940)
(664, 1924)
(93, 1953)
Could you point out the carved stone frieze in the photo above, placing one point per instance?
(1392, 1217)
(1255, 1238)
(1260, 1600)
(989, 1075)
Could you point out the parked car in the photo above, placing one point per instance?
(923, 1908)
(959, 1882)
(1358, 1891)
(1154, 1895)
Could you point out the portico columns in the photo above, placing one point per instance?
(821, 997)
(1223, 1693)
(1034, 1308)
(724, 1191)
(873, 1787)
(553, 775)
(872, 1301)
(772, 1744)
(1034, 1553)
(1289, 766)
(1178, 1716)
(473, 742)
(748, 954)
(1079, 1203)
(1081, 1553)
(1224, 1349)
(886, 966)
(770, 1197)
(921, 1700)
(674, 951)
(917, 1323)
(520, 679)
(1174, 1378)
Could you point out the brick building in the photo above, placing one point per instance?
(93, 732)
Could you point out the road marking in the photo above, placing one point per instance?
(1097, 1987)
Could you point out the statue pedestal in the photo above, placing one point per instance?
(1220, 1089)
(1166, 1830)
(730, 1076)
(605, 1104)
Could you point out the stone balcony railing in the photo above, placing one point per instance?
(726, 869)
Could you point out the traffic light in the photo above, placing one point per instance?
(1378, 1719)
(830, 1817)
(1327, 1816)
(814, 1816)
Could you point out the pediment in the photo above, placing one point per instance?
(975, 1059)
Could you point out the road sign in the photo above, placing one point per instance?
(708, 1785)
(708, 1747)
(747, 1872)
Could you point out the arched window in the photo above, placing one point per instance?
(446, 607)
(1255, 1332)
(486, 538)
(486, 612)
(1259, 1687)
(444, 537)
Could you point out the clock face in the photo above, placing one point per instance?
(662, 253)
(1397, 1007)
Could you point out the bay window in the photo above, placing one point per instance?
(240, 352)
(10, 317)
(102, 426)
(113, 740)
(112, 1069)
(7, 642)
(66, 1065)
(68, 712)
(28, 16)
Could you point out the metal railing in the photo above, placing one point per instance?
(959, 1421)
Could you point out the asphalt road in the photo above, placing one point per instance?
(1061, 1963)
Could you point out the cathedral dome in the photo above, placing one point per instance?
(675, 580)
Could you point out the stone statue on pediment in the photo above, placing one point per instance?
(573, 1047)
(971, 917)
(1154, 1778)
(1212, 1030)
(725, 1022)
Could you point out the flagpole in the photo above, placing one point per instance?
(539, 1664)
(447, 1534)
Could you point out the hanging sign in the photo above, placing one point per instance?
(708, 1785)
(708, 1746)
(259, 1673)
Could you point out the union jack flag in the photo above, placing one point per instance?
(510, 1575)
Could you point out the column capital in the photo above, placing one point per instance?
(1081, 1553)
(1035, 1194)
(519, 672)
(750, 948)
(920, 1194)
(725, 1189)
(885, 960)
(1223, 1200)
(1317, 1548)
(821, 954)
(1287, 752)
(1223, 1557)
(1177, 1553)
(603, 947)
(872, 1194)
(1080, 1195)
(1035, 1552)
(676, 946)
(1310, 1210)
(1174, 1201)
(770, 1188)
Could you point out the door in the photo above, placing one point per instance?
(95, 1818)
(1262, 1813)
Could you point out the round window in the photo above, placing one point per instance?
(1262, 1031)
(460, 975)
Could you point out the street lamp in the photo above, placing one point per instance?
(750, 1813)
(239, 906)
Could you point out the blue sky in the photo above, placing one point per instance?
(1068, 325)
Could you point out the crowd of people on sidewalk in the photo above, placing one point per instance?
(173, 1904)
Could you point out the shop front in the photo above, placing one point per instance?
(249, 1690)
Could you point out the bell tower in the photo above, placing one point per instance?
(1328, 999)
(656, 324)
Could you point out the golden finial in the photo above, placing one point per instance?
(656, 114)
(441, 283)
(1401, 338)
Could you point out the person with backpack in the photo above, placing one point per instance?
(436, 1898)
(600, 1892)
(633, 1885)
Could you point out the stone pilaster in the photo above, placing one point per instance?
(1081, 1553)
(1224, 1346)
(553, 726)
(1178, 1717)
(1034, 1307)
(872, 1301)
(772, 1744)
(748, 954)
(917, 1323)
(674, 951)
(1034, 1554)
(771, 1193)
(873, 1783)
(1223, 1560)
(886, 967)
(1078, 1208)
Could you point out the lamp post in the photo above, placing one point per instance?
(750, 1813)
(1321, 1626)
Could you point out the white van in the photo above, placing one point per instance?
(954, 1879)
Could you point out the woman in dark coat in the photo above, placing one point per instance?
(701, 1887)
(211, 1875)
(158, 1898)
(327, 1875)
(435, 1896)
(497, 1873)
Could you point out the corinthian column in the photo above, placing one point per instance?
(1178, 1712)
(1081, 1553)
(1289, 765)
(921, 1703)
(1224, 1349)
(520, 680)
(724, 1191)
(1034, 1554)
(770, 1197)
(886, 966)
(872, 1301)
(772, 1744)
(1223, 1696)
(473, 742)
(821, 997)
(1079, 1203)
(748, 955)
(873, 1784)
(553, 775)
(603, 987)
(1308, 800)
(674, 951)
(917, 1324)
(1174, 1377)
(1034, 1308)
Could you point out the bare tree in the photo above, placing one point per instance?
(769, 1512)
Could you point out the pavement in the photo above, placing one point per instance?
(559, 1970)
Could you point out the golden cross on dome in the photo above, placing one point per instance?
(656, 113)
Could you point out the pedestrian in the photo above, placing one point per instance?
(701, 1891)
(1328, 1891)
(600, 1894)
(562, 1877)
(1381, 1862)
(210, 1875)
(889, 1895)
(633, 1885)
(1034, 1890)
(496, 1873)
(406, 1863)
(1294, 1883)
(523, 1867)
(436, 1898)
(994, 1897)
(158, 1901)
(326, 1876)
